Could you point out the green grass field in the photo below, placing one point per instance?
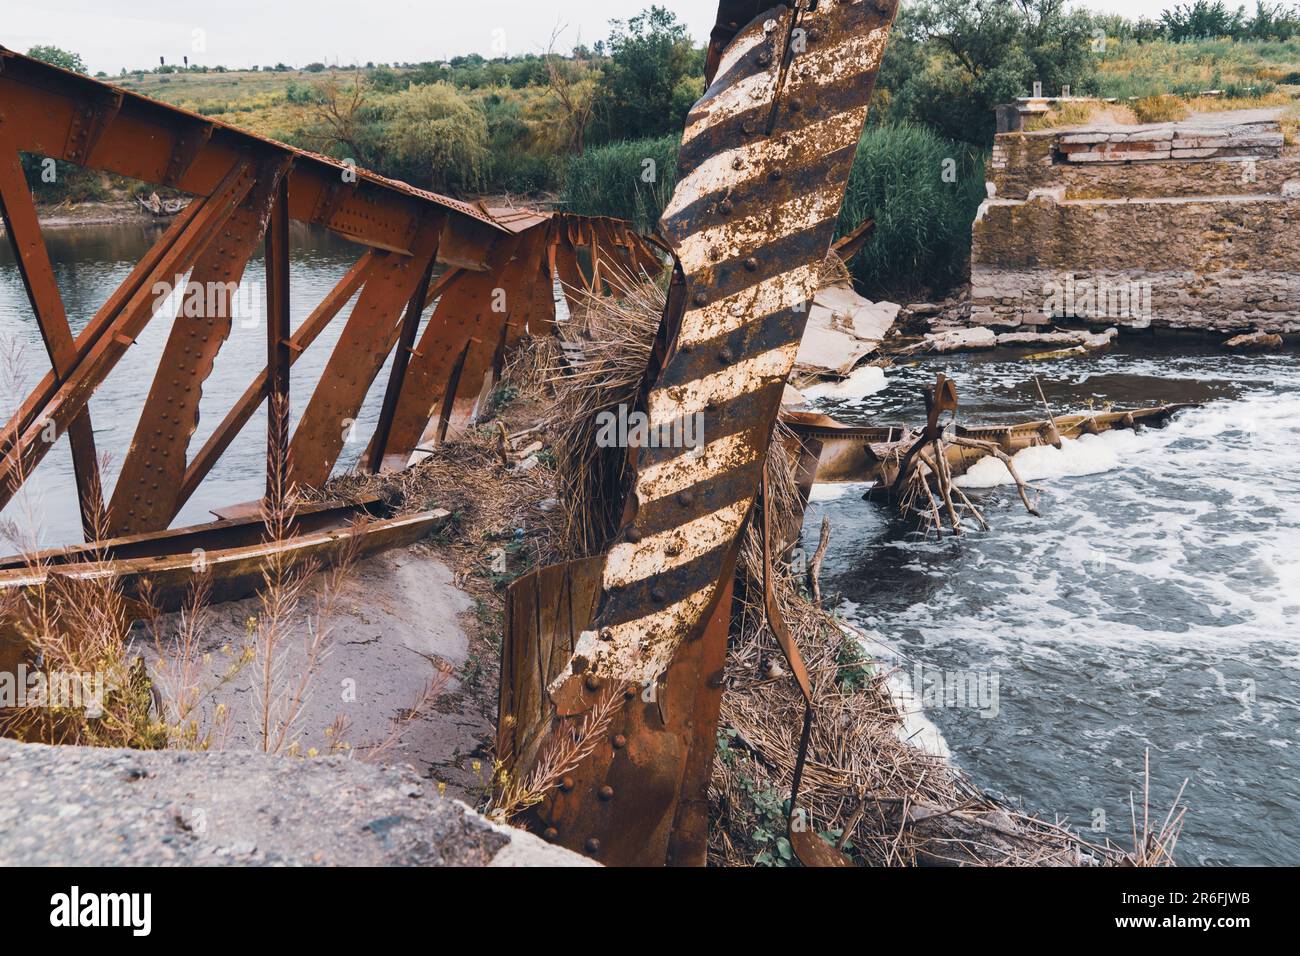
(1241, 68)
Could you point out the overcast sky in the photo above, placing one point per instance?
(241, 33)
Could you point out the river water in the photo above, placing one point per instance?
(90, 261)
(1154, 605)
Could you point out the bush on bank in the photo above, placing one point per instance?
(922, 190)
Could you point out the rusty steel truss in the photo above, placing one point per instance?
(496, 285)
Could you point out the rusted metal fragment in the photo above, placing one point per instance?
(397, 376)
(57, 113)
(189, 141)
(464, 317)
(764, 161)
(640, 799)
(364, 344)
(834, 452)
(91, 119)
(279, 357)
(765, 158)
(145, 497)
(247, 404)
(234, 553)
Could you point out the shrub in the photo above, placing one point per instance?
(650, 55)
(923, 221)
(432, 134)
(518, 162)
(950, 62)
(1160, 109)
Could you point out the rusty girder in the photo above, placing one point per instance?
(490, 271)
(764, 161)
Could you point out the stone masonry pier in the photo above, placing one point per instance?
(1188, 225)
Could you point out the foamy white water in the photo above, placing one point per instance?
(1156, 604)
(862, 381)
(1086, 455)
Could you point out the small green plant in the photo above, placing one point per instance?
(501, 399)
(855, 667)
(471, 672)
(770, 827)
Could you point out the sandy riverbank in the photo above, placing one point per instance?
(66, 215)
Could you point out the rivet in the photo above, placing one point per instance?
(764, 58)
(657, 595)
(686, 499)
(633, 535)
(566, 784)
(747, 127)
(725, 355)
(751, 264)
(701, 298)
(672, 550)
(592, 845)
(619, 741)
(774, 175)
(606, 634)
(550, 834)
(736, 163)
(795, 106)
(606, 792)
(593, 682)
(724, 207)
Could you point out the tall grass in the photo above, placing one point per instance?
(900, 178)
(923, 192)
(630, 180)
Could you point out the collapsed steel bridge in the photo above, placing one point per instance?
(500, 266)
(764, 162)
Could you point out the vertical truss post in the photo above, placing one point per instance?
(278, 358)
(23, 229)
(401, 358)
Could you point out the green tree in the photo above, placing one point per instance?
(433, 135)
(1202, 19)
(950, 62)
(649, 56)
(58, 57)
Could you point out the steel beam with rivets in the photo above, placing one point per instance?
(763, 165)
(26, 445)
(146, 493)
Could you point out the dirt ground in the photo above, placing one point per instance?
(67, 215)
(399, 620)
